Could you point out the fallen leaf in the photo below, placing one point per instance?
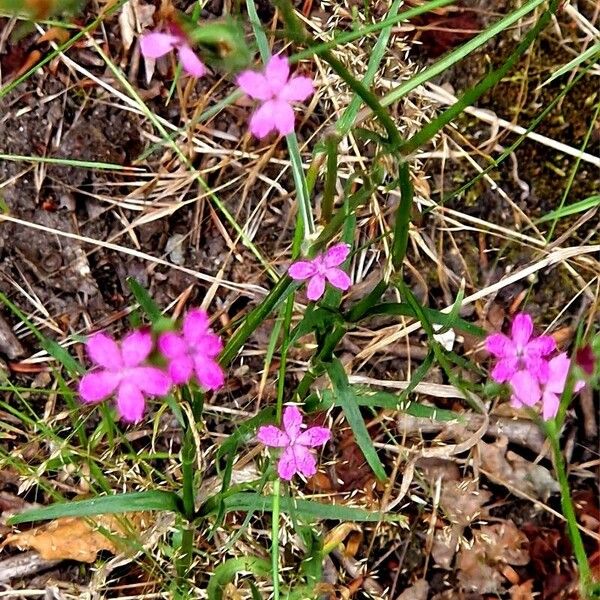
(418, 591)
(511, 469)
(74, 538)
(524, 591)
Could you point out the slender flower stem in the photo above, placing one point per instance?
(275, 539)
(569, 510)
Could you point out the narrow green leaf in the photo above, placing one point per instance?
(226, 573)
(353, 416)
(403, 214)
(119, 503)
(147, 304)
(593, 52)
(308, 509)
(571, 209)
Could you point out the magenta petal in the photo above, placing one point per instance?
(283, 116)
(208, 372)
(500, 345)
(130, 402)
(540, 346)
(136, 347)
(277, 72)
(210, 345)
(302, 269)
(269, 435)
(255, 85)
(172, 345)
(262, 122)
(104, 351)
(292, 421)
(181, 369)
(155, 45)
(538, 367)
(306, 463)
(522, 328)
(336, 255)
(314, 436)
(297, 89)
(195, 325)
(315, 287)
(504, 370)
(550, 403)
(150, 380)
(98, 385)
(526, 388)
(286, 467)
(190, 62)
(338, 278)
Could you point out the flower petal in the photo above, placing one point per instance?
(208, 372)
(172, 345)
(306, 463)
(277, 72)
(151, 380)
(292, 422)
(286, 467)
(336, 255)
(104, 351)
(190, 62)
(538, 367)
(136, 347)
(255, 85)
(550, 402)
(297, 89)
(338, 278)
(314, 436)
(302, 269)
(130, 402)
(505, 369)
(262, 122)
(522, 328)
(525, 388)
(98, 385)
(540, 346)
(195, 325)
(500, 345)
(155, 45)
(210, 345)
(181, 369)
(315, 287)
(283, 116)
(269, 435)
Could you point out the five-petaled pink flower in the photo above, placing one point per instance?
(520, 352)
(527, 391)
(321, 268)
(276, 90)
(123, 370)
(193, 351)
(296, 456)
(156, 44)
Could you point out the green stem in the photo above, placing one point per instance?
(403, 214)
(275, 539)
(569, 510)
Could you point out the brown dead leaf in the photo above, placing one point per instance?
(418, 591)
(461, 502)
(494, 546)
(524, 591)
(74, 538)
(512, 470)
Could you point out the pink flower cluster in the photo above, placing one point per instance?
(524, 363)
(125, 370)
(274, 88)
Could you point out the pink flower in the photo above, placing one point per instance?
(277, 92)
(296, 456)
(520, 351)
(321, 268)
(123, 371)
(193, 352)
(527, 391)
(156, 44)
